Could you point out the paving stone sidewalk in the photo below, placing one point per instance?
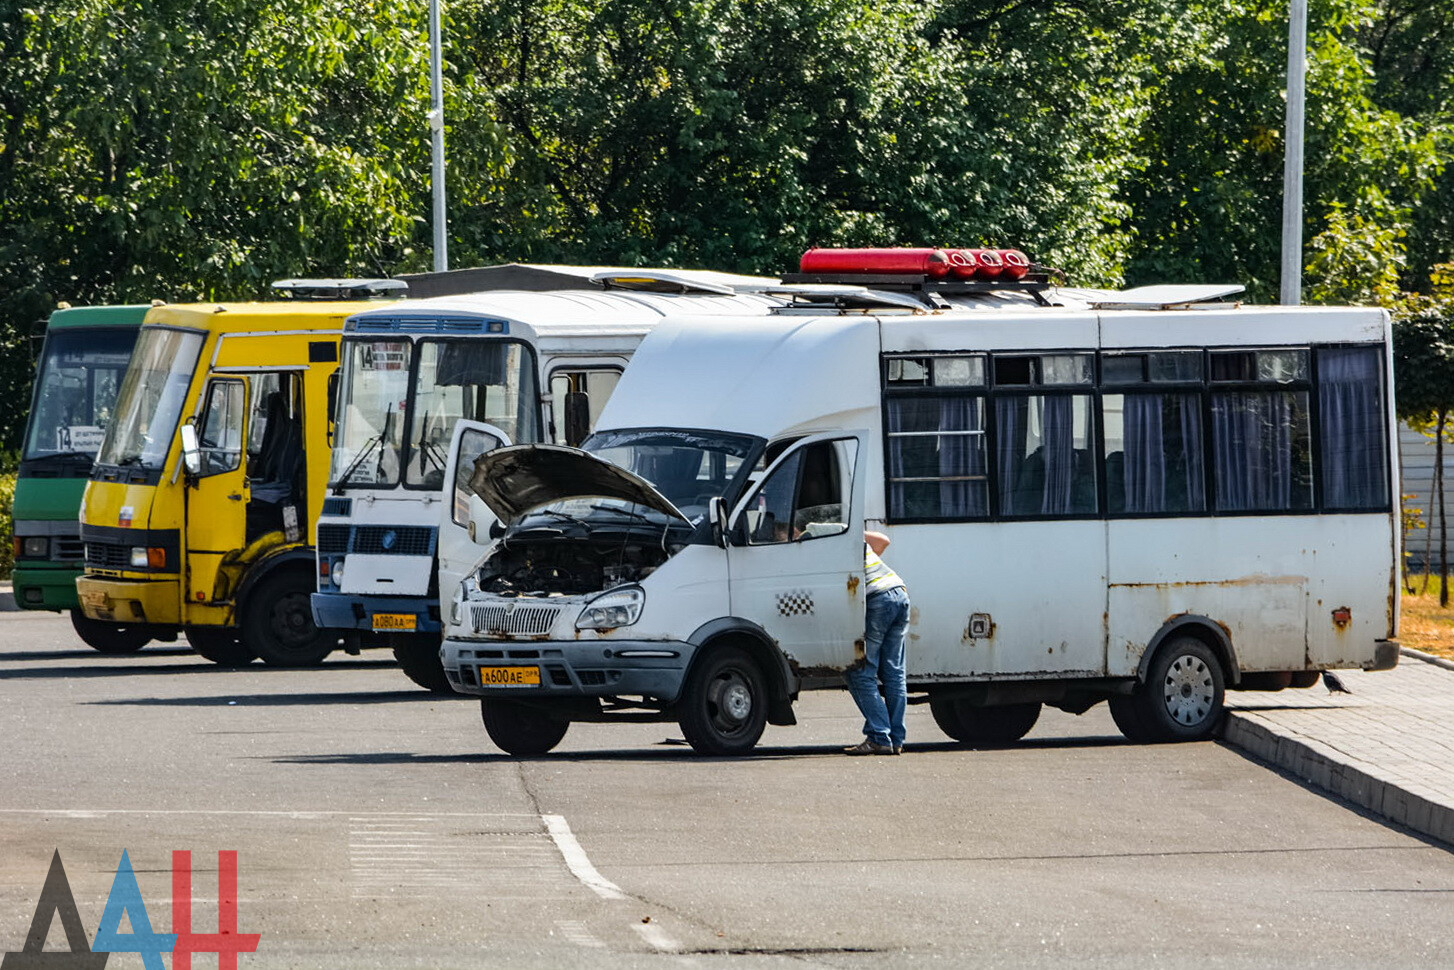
(1388, 746)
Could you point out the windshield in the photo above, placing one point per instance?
(79, 375)
(151, 398)
(689, 468)
(368, 439)
(480, 380)
(385, 431)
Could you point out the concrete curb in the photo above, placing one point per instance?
(1427, 658)
(7, 598)
(1322, 767)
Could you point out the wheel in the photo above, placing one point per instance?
(520, 729)
(973, 724)
(219, 644)
(1182, 697)
(723, 707)
(418, 656)
(1124, 713)
(277, 623)
(109, 638)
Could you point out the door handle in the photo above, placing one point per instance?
(235, 497)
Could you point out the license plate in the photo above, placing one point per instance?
(509, 676)
(395, 621)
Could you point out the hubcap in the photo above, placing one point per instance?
(730, 701)
(1189, 690)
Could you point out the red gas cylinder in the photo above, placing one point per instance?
(923, 262)
(991, 264)
(1017, 264)
(963, 263)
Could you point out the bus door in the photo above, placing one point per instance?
(464, 527)
(795, 560)
(218, 493)
(277, 468)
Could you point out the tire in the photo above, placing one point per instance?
(1182, 697)
(520, 729)
(723, 707)
(1124, 713)
(277, 623)
(984, 726)
(112, 639)
(418, 656)
(219, 644)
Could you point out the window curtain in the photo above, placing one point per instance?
(954, 455)
(1354, 452)
(1041, 474)
(1260, 448)
(961, 455)
(1163, 454)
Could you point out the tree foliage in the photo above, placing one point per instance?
(173, 150)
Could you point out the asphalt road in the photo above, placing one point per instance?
(375, 826)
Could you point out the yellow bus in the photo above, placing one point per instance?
(200, 513)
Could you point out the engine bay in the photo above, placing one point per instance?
(569, 568)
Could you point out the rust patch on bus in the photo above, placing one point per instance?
(852, 585)
(1258, 579)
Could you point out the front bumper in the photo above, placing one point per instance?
(130, 600)
(596, 668)
(46, 586)
(349, 611)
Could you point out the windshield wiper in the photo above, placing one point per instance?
(358, 460)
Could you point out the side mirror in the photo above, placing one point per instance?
(191, 452)
(717, 510)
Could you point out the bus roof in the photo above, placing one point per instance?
(800, 371)
(557, 313)
(235, 317)
(129, 315)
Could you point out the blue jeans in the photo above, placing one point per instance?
(886, 625)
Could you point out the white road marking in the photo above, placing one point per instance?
(575, 931)
(656, 937)
(576, 859)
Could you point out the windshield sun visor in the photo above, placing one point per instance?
(515, 480)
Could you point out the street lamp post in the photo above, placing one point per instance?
(436, 126)
(1292, 167)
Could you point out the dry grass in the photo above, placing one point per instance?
(1423, 624)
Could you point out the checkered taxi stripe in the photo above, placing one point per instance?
(796, 602)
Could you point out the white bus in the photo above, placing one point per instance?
(1136, 497)
(506, 365)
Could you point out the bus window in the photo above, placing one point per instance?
(1352, 428)
(578, 396)
(1153, 437)
(935, 413)
(1261, 435)
(1043, 447)
(220, 429)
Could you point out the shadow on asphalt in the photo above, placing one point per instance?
(18, 656)
(281, 700)
(669, 750)
(139, 667)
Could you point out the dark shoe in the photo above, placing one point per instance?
(870, 747)
(898, 749)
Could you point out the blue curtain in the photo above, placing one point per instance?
(1260, 447)
(1354, 450)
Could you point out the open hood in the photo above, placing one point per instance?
(515, 480)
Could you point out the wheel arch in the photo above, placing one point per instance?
(1216, 636)
(295, 559)
(736, 631)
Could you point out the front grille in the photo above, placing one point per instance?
(514, 620)
(332, 539)
(108, 555)
(407, 540)
(67, 549)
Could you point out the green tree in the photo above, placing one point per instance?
(1423, 339)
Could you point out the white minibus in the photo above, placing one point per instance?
(1139, 497)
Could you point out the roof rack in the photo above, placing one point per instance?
(925, 288)
(341, 289)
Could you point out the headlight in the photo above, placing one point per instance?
(36, 547)
(337, 570)
(138, 556)
(619, 607)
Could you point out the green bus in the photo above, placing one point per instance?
(81, 365)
